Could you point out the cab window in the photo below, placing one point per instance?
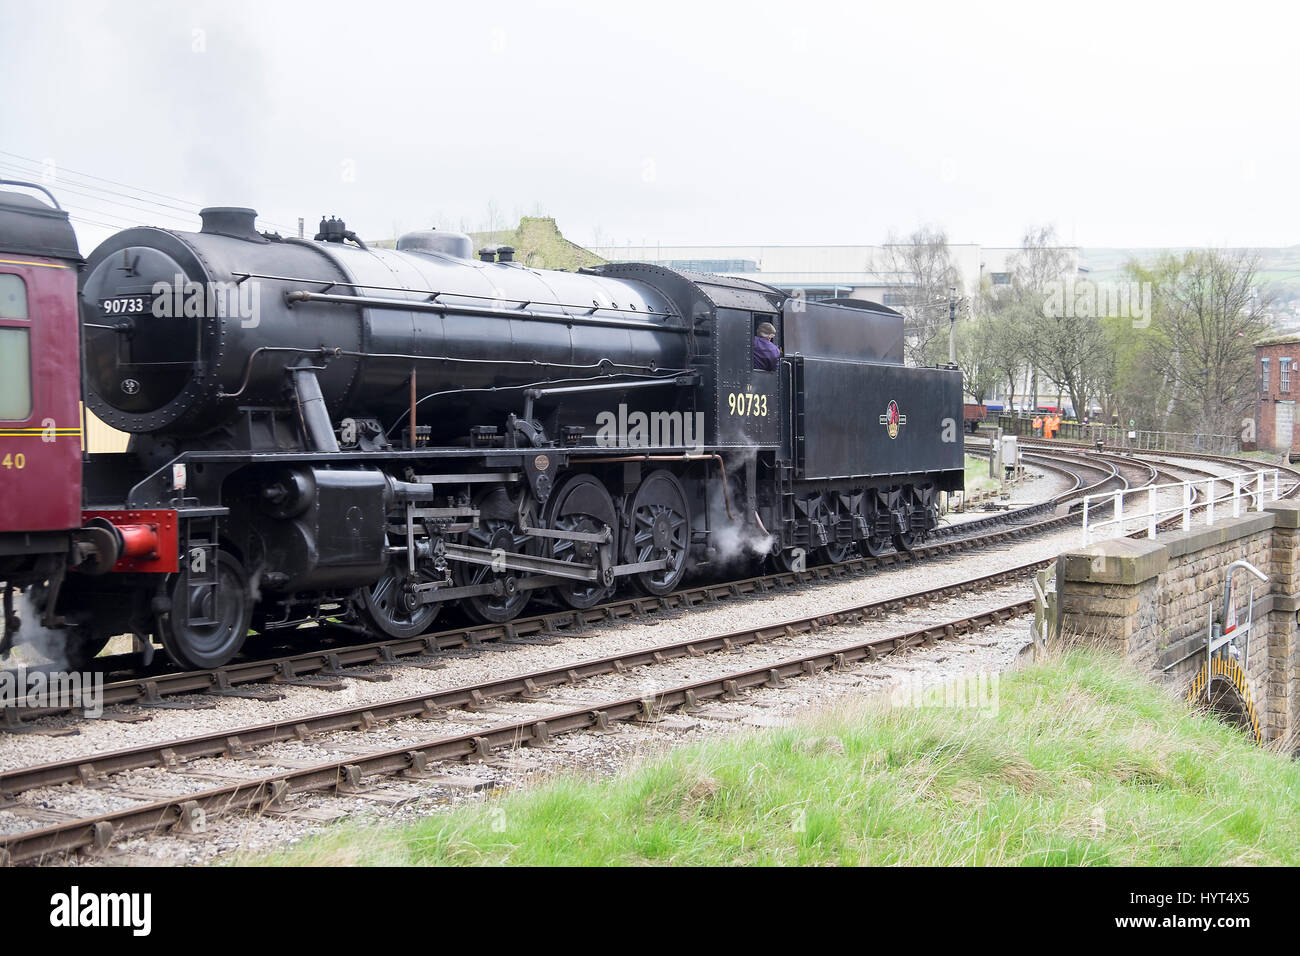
(767, 353)
(15, 351)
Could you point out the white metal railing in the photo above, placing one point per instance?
(1252, 487)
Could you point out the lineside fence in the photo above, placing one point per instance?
(1249, 492)
(1116, 436)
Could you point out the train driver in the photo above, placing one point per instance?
(767, 355)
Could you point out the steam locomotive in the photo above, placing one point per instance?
(325, 430)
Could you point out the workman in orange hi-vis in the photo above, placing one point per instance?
(1038, 426)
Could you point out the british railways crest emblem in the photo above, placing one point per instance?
(892, 420)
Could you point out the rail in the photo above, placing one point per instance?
(1253, 486)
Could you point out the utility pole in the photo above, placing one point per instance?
(952, 325)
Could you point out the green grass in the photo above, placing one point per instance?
(1082, 762)
(1266, 456)
(977, 476)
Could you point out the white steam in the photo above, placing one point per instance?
(736, 538)
(34, 641)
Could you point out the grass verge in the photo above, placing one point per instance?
(977, 476)
(1082, 761)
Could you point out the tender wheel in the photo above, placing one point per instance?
(914, 502)
(197, 646)
(390, 607)
(829, 513)
(497, 530)
(792, 559)
(876, 542)
(660, 521)
(581, 504)
(875, 546)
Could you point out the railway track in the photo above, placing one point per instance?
(1163, 471)
(81, 769)
(188, 811)
(1245, 464)
(1011, 516)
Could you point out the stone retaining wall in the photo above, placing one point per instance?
(1152, 599)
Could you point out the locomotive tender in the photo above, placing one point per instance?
(322, 429)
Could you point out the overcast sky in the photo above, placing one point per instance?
(1129, 124)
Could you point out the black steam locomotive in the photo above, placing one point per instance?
(323, 429)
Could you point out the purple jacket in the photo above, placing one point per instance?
(766, 355)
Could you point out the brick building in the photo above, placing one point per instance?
(1278, 377)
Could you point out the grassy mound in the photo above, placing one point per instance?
(1082, 761)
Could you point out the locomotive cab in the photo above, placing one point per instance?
(748, 400)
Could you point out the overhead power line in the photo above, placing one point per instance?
(68, 178)
(64, 187)
(62, 169)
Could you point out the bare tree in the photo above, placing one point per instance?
(1208, 315)
(1007, 333)
(1068, 347)
(1041, 261)
(1073, 354)
(976, 356)
(494, 224)
(922, 269)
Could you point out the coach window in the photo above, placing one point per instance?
(15, 351)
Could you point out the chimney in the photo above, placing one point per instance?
(234, 221)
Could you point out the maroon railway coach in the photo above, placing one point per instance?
(44, 534)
